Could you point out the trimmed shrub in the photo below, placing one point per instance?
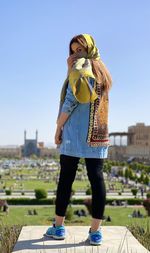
(134, 191)
(8, 192)
(40, 193)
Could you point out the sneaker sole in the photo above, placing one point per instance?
(55, 237)
(95, 243)
(58, 237)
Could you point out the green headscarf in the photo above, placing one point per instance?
(93, 52)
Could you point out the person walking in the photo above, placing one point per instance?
(82, 132)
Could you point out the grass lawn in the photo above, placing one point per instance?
(33, 184)
(47, 185)
(19, 215)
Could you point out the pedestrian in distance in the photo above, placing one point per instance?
(82, 132)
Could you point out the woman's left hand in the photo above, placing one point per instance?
(58, 136)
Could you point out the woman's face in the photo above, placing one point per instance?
(77, 48)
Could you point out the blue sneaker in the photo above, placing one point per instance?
(95, 237)
(57, 233)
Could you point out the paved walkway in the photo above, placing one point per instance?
(32, 196)
(117, 239)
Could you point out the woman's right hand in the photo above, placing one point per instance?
(58, 136)
(71, 60)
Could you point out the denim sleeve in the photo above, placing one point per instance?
(70, 102)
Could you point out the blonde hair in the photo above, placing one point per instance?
(98, 67)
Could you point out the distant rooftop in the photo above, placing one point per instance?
(9, 146)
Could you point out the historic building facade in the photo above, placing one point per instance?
(29, 148)
(10, 152)
(137, 143)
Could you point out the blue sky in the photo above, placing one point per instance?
(34, 38)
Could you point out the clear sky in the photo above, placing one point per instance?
(34, 38)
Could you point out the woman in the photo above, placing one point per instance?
(82, 131)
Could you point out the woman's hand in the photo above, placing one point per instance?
(71, 60)
(58, 136)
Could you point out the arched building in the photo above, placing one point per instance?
(135, 143)
(30, 146)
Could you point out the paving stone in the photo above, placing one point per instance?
(117, 239)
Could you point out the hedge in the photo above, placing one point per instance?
(51, 201)
(109, 201)
(129, 201)
(26, 201)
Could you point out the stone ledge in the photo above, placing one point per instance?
(117, 239)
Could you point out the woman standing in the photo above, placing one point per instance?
(82, 131)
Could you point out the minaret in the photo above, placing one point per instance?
(25, 133)
(36, 135)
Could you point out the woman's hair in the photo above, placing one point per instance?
(98, 67)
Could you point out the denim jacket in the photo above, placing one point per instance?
(75, 130)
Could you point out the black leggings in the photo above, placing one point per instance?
(94, 168)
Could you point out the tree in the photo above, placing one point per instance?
(130, 173)
(141, 179)
(126, 174)
(120, 173)
(107, 167)
(146, 180)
